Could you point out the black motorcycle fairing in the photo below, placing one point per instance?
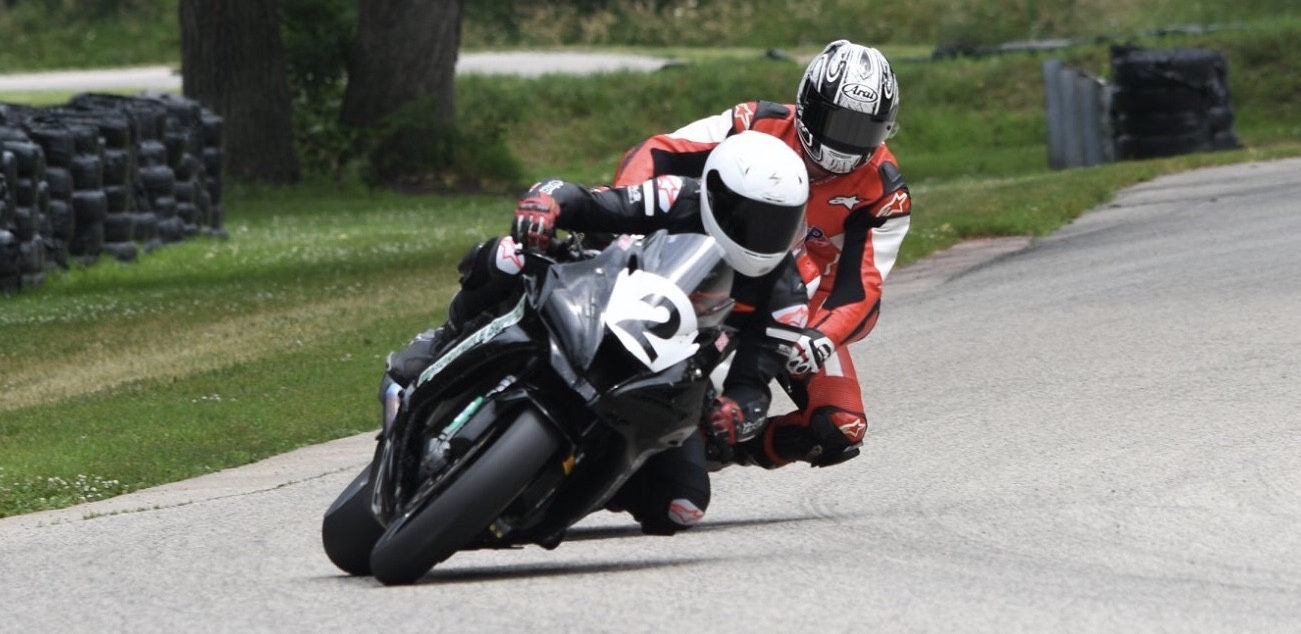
(658, 411)
(469, 351)
(574, 297)
(571, 298)
(502, 348)
(447, 440)
(611, 397)
(646, 414)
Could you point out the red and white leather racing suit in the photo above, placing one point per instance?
(856, 223)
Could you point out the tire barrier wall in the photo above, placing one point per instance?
(104, 175)
(1159, 103)
(1169, 102)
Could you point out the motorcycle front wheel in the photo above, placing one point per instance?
(480, 493)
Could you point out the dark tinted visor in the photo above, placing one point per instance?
(842, 129)
(757, 226)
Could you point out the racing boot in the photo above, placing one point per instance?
(830, 436)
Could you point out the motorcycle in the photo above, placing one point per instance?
(532, 419)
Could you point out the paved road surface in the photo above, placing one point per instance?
(164, 78)
(1096, 433)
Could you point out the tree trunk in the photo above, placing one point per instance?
(405, 52)
(233, 62)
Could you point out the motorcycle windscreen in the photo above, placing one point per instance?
(694, 262)
(574, 296)
(676, 286)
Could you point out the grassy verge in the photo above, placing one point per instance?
(80, 34)
(1036, 204)
(960, 118)
(209, 353)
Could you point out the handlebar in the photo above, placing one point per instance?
(568, 250)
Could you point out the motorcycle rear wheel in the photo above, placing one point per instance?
(478, 496)
(349, 530)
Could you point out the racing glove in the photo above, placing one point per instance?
(535, 220)
(728, 423)
(808, 352)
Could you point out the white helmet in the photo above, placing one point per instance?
(752, 199)
(845, 106)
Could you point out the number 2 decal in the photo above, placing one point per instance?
(653, 319)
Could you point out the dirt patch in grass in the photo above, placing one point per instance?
(201, 348)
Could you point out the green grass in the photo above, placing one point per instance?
(213, 353)
(43, 35)
(55, 34)
(210, 354)
(1037, 203)
(787, 23)
(959, 118)
(39, 98)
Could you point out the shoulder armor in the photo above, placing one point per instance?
(745, 115)
(891, 179)
(773, 110)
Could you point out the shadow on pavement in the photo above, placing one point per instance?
(632, 530)
(560, 568)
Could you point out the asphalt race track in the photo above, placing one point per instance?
(168, 79)
(1100, 432)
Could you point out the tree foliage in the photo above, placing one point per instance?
(318, 37)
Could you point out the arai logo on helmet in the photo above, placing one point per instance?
(859, 92)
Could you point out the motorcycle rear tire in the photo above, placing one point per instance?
(349, 530)
(478, 496)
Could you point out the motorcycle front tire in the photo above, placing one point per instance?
(468, 505)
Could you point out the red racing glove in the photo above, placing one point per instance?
(728, 423)
(725, 418)
(535, 220)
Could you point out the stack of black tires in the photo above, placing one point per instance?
(74, 175)
(11, 256)
(1168, 102)
(102, 184)
(104, 174)
(27, 216)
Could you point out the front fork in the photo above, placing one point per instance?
(390, 399)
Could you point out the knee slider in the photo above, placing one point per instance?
(850, 425)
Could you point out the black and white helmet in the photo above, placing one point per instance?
(752, 200)
(845, 106)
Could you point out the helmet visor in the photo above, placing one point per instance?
(840, 128)
(755, 225)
